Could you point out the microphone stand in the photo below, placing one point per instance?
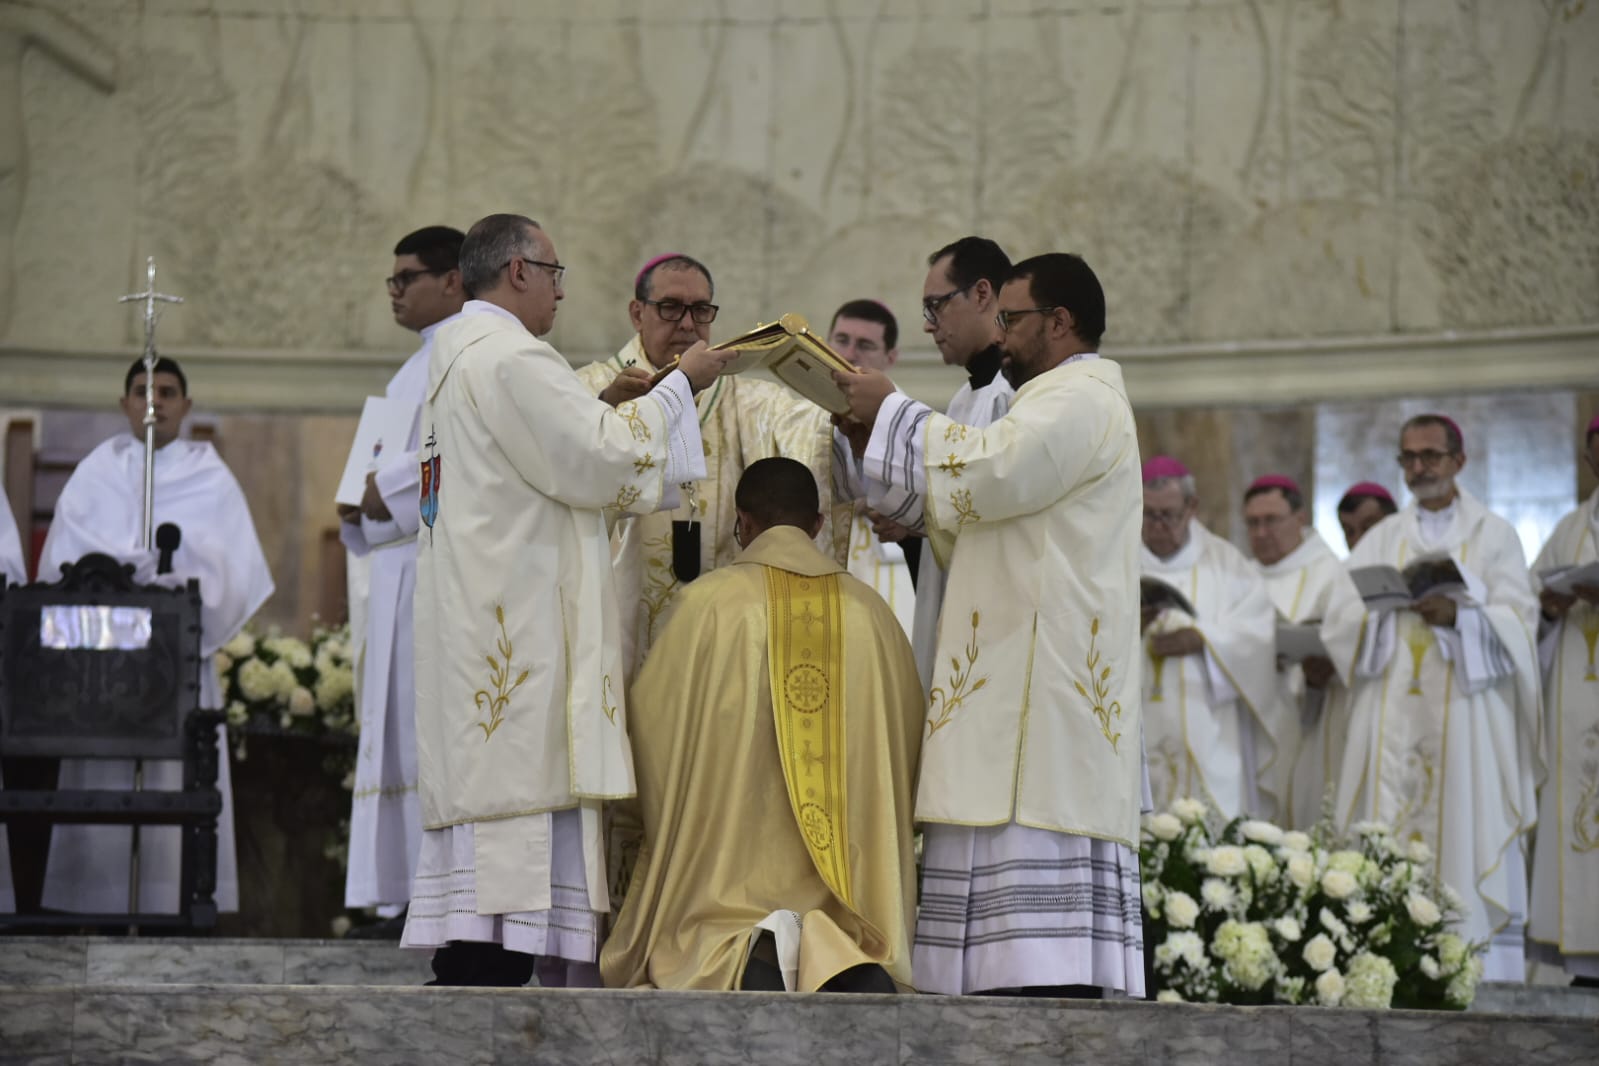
(151, 317)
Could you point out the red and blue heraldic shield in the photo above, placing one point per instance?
(431, 470)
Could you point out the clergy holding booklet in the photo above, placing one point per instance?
(101, 510)
(1030, 786)
(521, 708)
(1444, 731)
(1563, 929)
(380, 515)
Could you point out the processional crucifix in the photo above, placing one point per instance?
(152, 315)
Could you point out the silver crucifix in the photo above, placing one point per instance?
(151, 316)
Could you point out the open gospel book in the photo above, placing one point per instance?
(794, 355)
(1386, 588)
(1565, 579)
(1298, 641)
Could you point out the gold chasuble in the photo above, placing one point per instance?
(776, 726)
(742, 419)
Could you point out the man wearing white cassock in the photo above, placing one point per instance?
(1563, 929)
(101, 510)
(520, 705)
(1210, 679)
(960, 297)
(1030, 778)
(15, 573)
(385, 823)
(742, 420)
(866, 334)
(1311, 710)
(1444, 721)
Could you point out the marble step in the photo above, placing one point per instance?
(39, 960)
(63, 1024)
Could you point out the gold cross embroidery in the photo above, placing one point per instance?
(953, 465)
(641, 465)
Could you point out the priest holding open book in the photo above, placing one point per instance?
(1444, 723)
(741, 420)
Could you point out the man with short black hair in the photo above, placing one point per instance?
(742, 419)
(1030, 786)
(101, 510)
(1444, 732)
(385, 823)
(866, 334)
(778, 720)
(520, 695)
(1311, 711)
(1363, 506)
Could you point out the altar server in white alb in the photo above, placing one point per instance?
(385, 822)
(960, 297)
(1210, 678)
(1312, 710)
(15, 573)
(520, 708)
(1563, 929)
(1030, 779)
(101, 510)
(1444, 727)
(866, 334)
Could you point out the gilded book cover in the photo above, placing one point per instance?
(795, 356)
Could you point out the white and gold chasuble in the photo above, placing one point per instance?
(1034, 712)
(1311, 724)
(520, 698)
(1209, 718)
(1444, 730)
(741, 420)
(1565, 874)
(776, 729)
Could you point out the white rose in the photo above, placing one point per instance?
(1261, 833)
(241, 646)
(1191, 811)
(1338, 884)
(1164, 826)
(1350, 862)
(1288, 929)
(1423, 911)
(1296, 841)
(256, 681)
(1319, 952)
(1168, 995)
(1218, 895)
(1302, 870)
(1261, 864)
(1429, 966)
(301, 703)
(1181, 910)
(1418, 851)
(1330, 922)
(1330, 988)
(1227, 861)
(1359, 912)
(1451, 950)
(281, 676)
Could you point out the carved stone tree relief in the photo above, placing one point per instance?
(275, 250)
(577, 158)
(24, 27)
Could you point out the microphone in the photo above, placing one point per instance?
(167, 538)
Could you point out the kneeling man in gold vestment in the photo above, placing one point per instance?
(776, 726)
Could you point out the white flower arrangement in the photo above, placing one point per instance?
(1253, 914)
(291, 684)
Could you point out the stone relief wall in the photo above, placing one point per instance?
(1234, 169)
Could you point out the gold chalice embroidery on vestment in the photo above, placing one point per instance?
(627, 496)
(1419, 639)
(1100, 679)
(1589, 628)
(955, 432)
(500, 678)
(635, 421)
(964, 511)
(945, 703)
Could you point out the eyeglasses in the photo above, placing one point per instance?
(1005, 318)
(674, 310)
(932, 305)
(1165, 518)
(1429, 458)
(402, 281)
(557, 271)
